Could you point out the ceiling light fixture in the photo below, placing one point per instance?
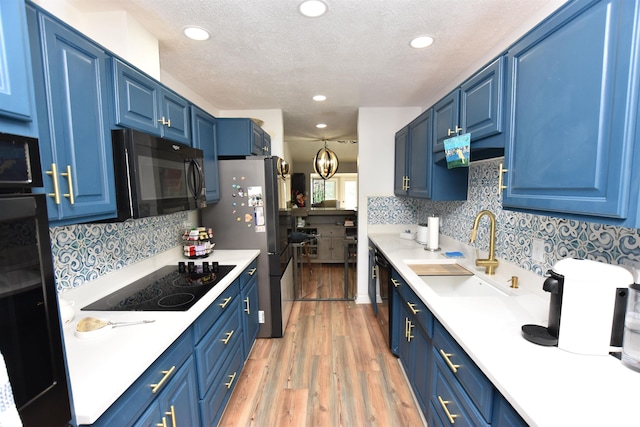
(319, 98)
(196, 33)
(321, 125)
(325, 163)
(421, 42)
(313, 8)
(283, 168)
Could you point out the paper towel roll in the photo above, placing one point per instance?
(434, 233)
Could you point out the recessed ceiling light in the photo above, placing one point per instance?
(321, 125)
(421, 42)
(196, 33)
(319, 98)
(312, 8)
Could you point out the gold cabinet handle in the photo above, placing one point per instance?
(449, 415)
(373, 272)
(229, 335)
(454, 132)
(405, 182)
(163, 423)
(454, 368)
(172, 414)
(408, 327)
(412, 307)
(69, 195)
(501, 172)
(226, 302)
(248, 308)
(395, 283)
(252, 271)
(53, 173)
(165, 377)
(164, 122)
(232, 377)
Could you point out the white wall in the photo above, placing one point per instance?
(376, 152)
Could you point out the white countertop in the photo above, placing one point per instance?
(546, 385)
(102, 368)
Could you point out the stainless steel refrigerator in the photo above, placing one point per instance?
(247, 217)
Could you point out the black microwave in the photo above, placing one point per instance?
(155, 176)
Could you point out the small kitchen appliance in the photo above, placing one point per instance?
(631, 337)
(586, 309)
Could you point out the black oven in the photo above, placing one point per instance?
(384, 306)
(30, 330)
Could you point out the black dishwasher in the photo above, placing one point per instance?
(384, 315)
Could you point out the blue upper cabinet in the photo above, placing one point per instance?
(203, 127)
(70, 75)
(144, 104)
(238, 137)
(573, 87)
(482, 100)
(420, 157)
(446, 119)
(401, 170)
(16, 82)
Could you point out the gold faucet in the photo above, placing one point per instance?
(491, 263)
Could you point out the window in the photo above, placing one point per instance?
(342, 187)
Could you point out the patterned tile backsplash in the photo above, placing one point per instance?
(515, 232)
(84, 252)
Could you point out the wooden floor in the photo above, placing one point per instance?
(332, 368)
(325, 281)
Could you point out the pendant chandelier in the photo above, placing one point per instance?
(326, 162)
(283, 168)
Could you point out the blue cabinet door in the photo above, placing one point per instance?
(16, 90)
(144, 104)
(175, 113)
(238, 136)
(136, 97)
(203, 127)
(572, 90)
(180, 399)
(401, 171)
(420, 158)
(75, 125)
(446, 119)
(372, 278)
(250, 323)
(421, 367)
(482, 103)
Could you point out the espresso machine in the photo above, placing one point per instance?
(586, 308)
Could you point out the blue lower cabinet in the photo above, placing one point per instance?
(504, 415)
(449, 399)
(177, 404)
(214, 401)
(250, 324)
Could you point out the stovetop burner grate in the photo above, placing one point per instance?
(167, 289)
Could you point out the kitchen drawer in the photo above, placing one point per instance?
(206, 320)
(469, 376)
(504, 415)
(213, 404)
(216, 345)
(450, 400)
(248, 273)
(137, 398)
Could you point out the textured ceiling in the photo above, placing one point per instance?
(263, 54)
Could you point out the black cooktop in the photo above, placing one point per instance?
(171, 288)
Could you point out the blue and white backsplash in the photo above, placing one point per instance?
(84, 252)
(562, 238)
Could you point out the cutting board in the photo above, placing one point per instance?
(440, 270)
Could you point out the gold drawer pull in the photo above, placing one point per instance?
(172, 413)
(163, 423)
(56, 187)
(248, 309)
(231, 379)
(501, 172)
(69, 195)
(454, 368)
(164, 122)
(373, 272)
(412, 307)
(226, 302)
(229, 335)
(409, 327)
(395, 283)
(167, 374)
(252, 271)
(449, 415)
